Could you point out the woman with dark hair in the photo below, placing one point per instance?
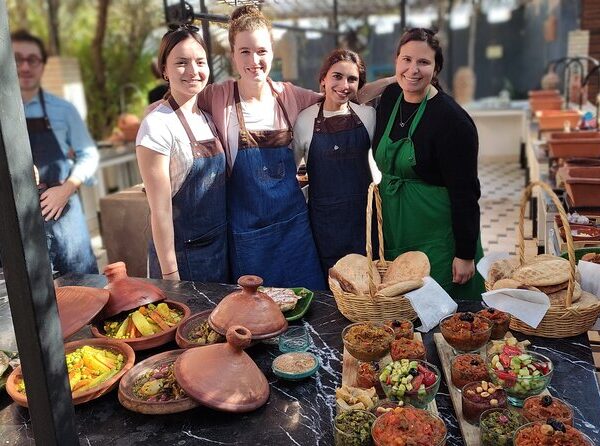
(334, 138)
(182, 163)
(426, 148)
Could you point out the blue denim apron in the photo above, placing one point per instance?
(199, 213)
(68, 237)
(339, 175)
(270, 232)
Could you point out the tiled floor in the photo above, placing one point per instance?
(501, 188)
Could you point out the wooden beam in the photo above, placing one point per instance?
(24, 255)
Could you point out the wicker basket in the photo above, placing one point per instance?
(559, 322)
(369, 307)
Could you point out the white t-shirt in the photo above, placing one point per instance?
(258, 115)
(303, 131)
(162, 132)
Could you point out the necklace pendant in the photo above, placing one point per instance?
(402, 124)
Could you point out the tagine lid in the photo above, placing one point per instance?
(77, 306)
(223, 376)
(127, 293)
(249, 308)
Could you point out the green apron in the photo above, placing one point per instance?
(416, 215)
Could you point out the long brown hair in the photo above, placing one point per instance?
(428, 36)
(246, 18)
(342, 55)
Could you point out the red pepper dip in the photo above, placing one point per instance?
(466, 332)
(407, 349)
(542, 407)
(500, 319)
(553, 433)
(409, 426)
(403, 328)
(468, 368)
(368, 376)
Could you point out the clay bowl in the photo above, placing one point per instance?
(584, 233)
(183, 331)
(80, 397)
(133, 402)
(146, 342)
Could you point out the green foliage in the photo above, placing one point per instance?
(126, 52)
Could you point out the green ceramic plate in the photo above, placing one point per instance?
(306, 297)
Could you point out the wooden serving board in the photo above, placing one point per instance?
(469, 432)
(350, 371)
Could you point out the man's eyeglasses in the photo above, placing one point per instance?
(183, 27)
(32, 61)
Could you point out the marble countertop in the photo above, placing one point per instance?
(297, 413)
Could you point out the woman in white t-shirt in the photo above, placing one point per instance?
(183, 166)
(334, 138)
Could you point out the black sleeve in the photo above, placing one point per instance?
(457, 158)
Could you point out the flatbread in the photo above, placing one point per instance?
(558, 299)
(549, 289)
(399, 288)
(543, 258)
(501, 269)
(352, 274)
(412, 265)
(506, 283)
(550, 272)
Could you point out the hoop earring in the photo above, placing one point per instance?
(165, 77)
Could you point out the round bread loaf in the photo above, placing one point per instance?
(412, 265)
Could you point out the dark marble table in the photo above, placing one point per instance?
(298, 413)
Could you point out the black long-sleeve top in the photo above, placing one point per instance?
(446, 147)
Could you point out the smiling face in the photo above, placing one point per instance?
(340, 84)
(186, 69)
(253, 55)
(415, 67)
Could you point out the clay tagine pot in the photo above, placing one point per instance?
(251, 309)
(223, 376)
(127, 293)
(78, 305)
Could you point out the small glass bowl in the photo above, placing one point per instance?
(343, 438)
(491, 436)
(460, 376)
(384, 419)
(531, 425)
(385, 406)
(500, 320)
(519, 388)
(465, 342)
(403, 328)
(294, 339)
(531, 418)
(413, 398)
(295, 376)
(374, 352)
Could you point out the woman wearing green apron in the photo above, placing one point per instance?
(426, 148)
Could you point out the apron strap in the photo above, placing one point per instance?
(280, 102)
(43, 104)
(175, 106)
(420, 111)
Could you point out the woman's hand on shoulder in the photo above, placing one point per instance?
(462, 270)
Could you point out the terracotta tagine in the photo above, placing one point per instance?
(250, 308)
(78, 305)
(127, 293)
(223, 376)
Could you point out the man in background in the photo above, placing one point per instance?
(56, 130)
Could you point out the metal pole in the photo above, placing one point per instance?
(27, 271)
(335, 23)
(207, 40)
(402, 16)
(54, 43)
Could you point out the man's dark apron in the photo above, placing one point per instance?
(199, 213)
(68, 237)
(270, 232)
(339, 175)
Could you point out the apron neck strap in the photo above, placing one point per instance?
(175, 106)
(43, 104)
(420, 111)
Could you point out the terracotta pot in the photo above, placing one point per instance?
(87, 395)
(131, 401)
(146, 342)
(572, 148)
(127, 293)
(77, 306)
(185, 328)
(573, 135)
(557, 119)
(543, 93)
(250, 308)
(227, 379)
(582, 184)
